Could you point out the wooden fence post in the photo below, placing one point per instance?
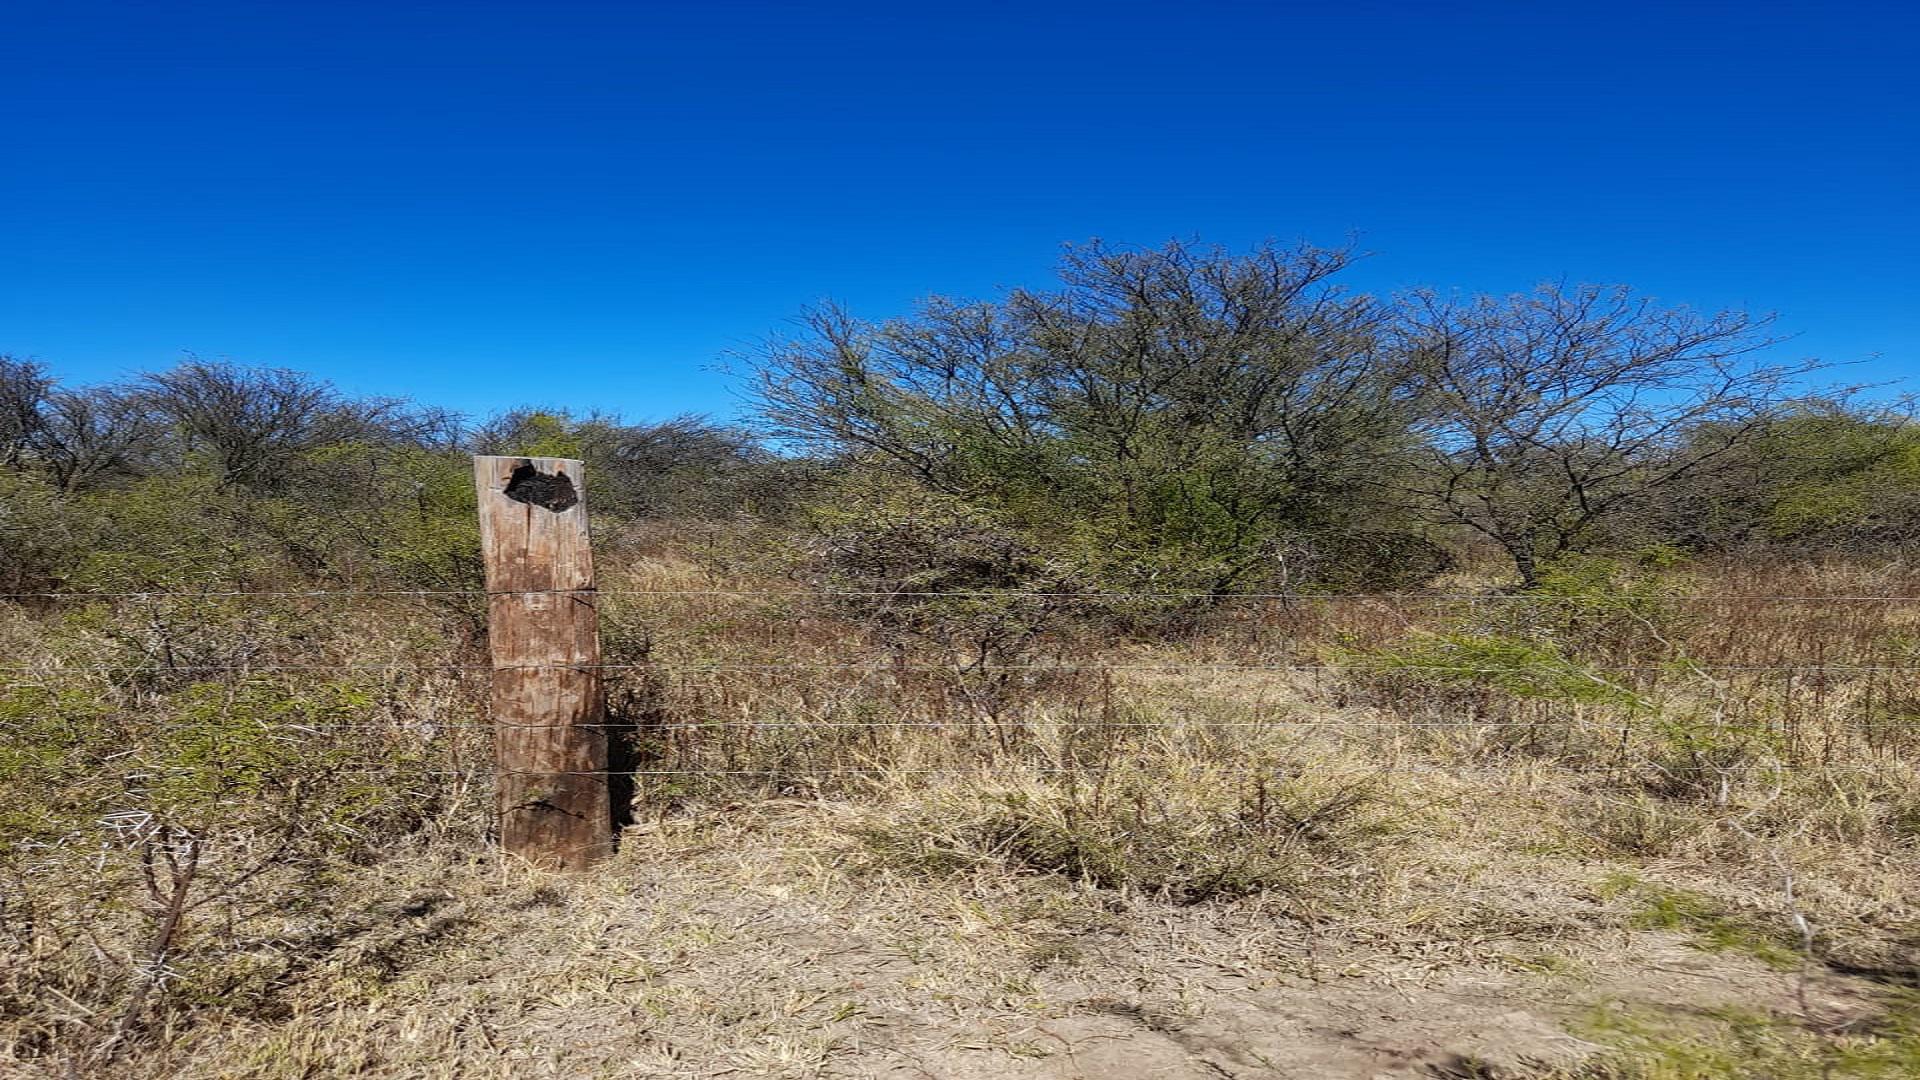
(549, 709)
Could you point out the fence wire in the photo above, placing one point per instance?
(431, 730)
(981, 594)
(885, 668)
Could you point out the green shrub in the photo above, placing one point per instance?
(1697, 755)
(1521, 667)
(42, 535)
(1596, 608)
(53, 747)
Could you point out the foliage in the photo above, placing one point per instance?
(1829, 474)
(52, 737)
(1547, 417)
(190, 774)
(1598, 608)
(1851, 478)
(252, 426)
(213, 759)
(1174, 418)
(683, 467)
(1523, 667)
(41, 536)
(24, 386)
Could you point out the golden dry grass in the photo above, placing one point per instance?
(855, 855)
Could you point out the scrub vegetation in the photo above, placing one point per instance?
(1191, 666)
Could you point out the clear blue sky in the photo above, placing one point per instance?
(478, 204)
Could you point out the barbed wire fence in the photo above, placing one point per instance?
(892, 668)
(541, 697)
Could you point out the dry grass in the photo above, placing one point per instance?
(1490, 821)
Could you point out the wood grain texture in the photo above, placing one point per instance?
(549, 710)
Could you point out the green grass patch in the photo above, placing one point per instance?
(1663, 907)
(1520, 666)
(1738, 1044)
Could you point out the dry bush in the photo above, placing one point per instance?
(1165, 825)
(1410, 769)
(192, 782)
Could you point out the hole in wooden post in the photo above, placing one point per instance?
(549, 491)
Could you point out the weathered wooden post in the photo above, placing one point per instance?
(549, 709)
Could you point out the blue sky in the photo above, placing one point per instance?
(483, 204)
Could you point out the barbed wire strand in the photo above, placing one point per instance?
(799, 773)
(1365, 667)
(960, 594)
(401, 727)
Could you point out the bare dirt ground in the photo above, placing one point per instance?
(742, 945)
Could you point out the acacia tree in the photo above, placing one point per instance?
(252, 423)
(24, 386)
(1550, 416)
(1184, 408)
(93, 434)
